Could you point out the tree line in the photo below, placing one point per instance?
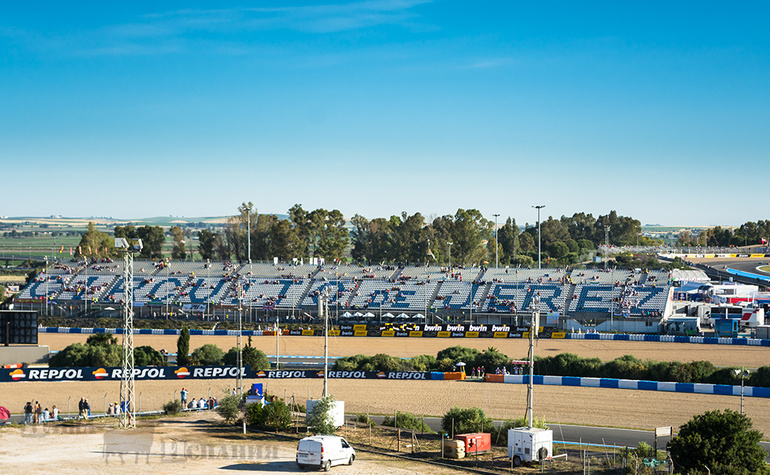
(464, 238)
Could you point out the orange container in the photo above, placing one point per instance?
(454, 375)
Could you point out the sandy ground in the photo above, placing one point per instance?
(568, 405)
(187, 444)
(719, 355)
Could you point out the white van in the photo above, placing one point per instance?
(323, 451)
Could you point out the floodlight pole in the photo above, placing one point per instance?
(539, 207)
(496, 215)
(450, 254)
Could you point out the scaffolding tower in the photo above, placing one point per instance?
(127, 383)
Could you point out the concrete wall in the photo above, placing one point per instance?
(26, 354)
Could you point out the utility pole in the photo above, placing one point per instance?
(538, 207)
(606, 244)
(534, 324)
(496, 243)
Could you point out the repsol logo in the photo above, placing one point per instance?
(286, 374)
(49, 374)
(405, 375)
(478, 328)
(141, 373)
(346, 374)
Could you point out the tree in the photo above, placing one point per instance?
(718, 442)
(463, 421)
(276, 416)
(319, 419)
(94, 243)
(178, 251)
(206, 244)
(101, 339)
(251, 356)
(228, 407)
(208, 355)
(148, 356)
(152, 238)
(183, 348)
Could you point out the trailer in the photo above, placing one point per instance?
(529, 444)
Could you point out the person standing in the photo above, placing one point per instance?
(38, 413)
(55, 413)
(28, 413)
(87, 409)
(183, 395)
(80, 408)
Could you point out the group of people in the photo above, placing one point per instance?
(35, 414)
(201, 403)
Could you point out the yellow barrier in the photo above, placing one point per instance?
(500, 335)
(558, 335)
(388, 333)
(417, 334)
(444, 334)
(358, 328)
(307, 332)
(333, 333)
(471, 334)
(360, 333)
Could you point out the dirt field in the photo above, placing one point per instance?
(719, 355)
(186, 444)
(593, 406)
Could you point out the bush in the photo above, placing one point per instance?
(254, 417)
(148, 356)
(365, 419)
(208, 355)
(407, 420)
(173, 407)
(465, 421)
(721, 442)
(276, 416)
(319, 419)
(228, 407)
(77, 355)
(251, 357)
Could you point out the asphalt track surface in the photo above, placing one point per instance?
(742, 264)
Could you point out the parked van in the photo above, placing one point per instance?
(324, 451)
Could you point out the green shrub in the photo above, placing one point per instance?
(228, 407)
(365, 419)
(254, 416)
(208, 355)
(173, 407)
(148, 356)
(407, 420)
(319, 419)
(276, 416)
(465, 420)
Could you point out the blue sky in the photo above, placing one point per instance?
(657, 110)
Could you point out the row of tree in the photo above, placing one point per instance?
(466, 237)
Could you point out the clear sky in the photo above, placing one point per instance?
(659, 110)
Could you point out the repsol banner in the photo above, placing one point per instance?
(313, 374)
(116, 374)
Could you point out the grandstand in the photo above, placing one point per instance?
(409, 290)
